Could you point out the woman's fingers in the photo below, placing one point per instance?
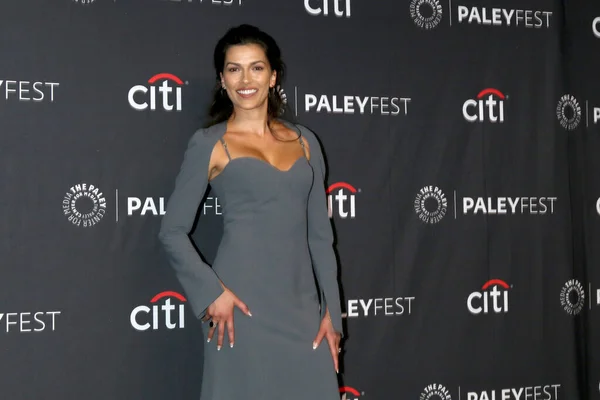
(211, 331)
(242, 306)
(221, 328)
(230, 331)
(334, 345)
(222, 311)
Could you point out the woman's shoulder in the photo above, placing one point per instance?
(206, 137)
(305, 132)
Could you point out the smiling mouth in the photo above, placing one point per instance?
(246, 92)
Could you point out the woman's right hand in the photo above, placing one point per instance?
(220, 312)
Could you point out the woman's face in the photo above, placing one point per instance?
(247, 76)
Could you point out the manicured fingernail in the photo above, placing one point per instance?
(208, 340)
(231, 345)
(337, 371)
(249, 313)
(314, 345)
(218, 348)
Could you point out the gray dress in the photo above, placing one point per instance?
(276, 234)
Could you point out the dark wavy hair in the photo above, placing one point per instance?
(221, 106)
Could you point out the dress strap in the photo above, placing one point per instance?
(225, 147)
(303, 148)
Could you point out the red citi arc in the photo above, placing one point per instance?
(479, 302)
(167, 307)
(165, 92)
(475, 109)
(340, 199)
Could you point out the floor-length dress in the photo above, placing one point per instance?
(277, 238)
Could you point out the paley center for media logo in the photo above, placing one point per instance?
(350, 393)
(348, 104)
(383, 306)
(28, 322)
(341, 200)
(438, 391)
(570, 113)
(487, 106)
(25, 91)
(427, 14)
(435, 391)
(166, 315)
(340, 8)
(163, 92)
(573, 296)
(84, 205)
(492, 298)
(431, 205)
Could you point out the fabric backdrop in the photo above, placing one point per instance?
(461, 139)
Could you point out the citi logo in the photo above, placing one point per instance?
(486, 301)
(322, 7)
(145, 97)
(596, 27)
(345, 203)
(488, 106)
(349, 393)
(143, 318)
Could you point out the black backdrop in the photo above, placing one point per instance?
(461, 139)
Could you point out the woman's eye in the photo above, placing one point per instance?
(259, 68)
(232, 69)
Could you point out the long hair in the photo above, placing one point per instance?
(221, 106)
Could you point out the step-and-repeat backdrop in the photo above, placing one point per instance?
(462, 139)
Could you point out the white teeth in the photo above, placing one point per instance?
(247, 91)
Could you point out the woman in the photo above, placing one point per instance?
(269, 176)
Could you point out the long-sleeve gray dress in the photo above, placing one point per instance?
(276, 233)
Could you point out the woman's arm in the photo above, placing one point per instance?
(200, 283)
(320, 235)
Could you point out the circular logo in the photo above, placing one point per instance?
(431, 204)
(596, 27)
(572, 297)
(598, 206)
(84, 205)
(568, 112)
(427, 14)
(435, 392)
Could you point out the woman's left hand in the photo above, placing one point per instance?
(333, 339)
